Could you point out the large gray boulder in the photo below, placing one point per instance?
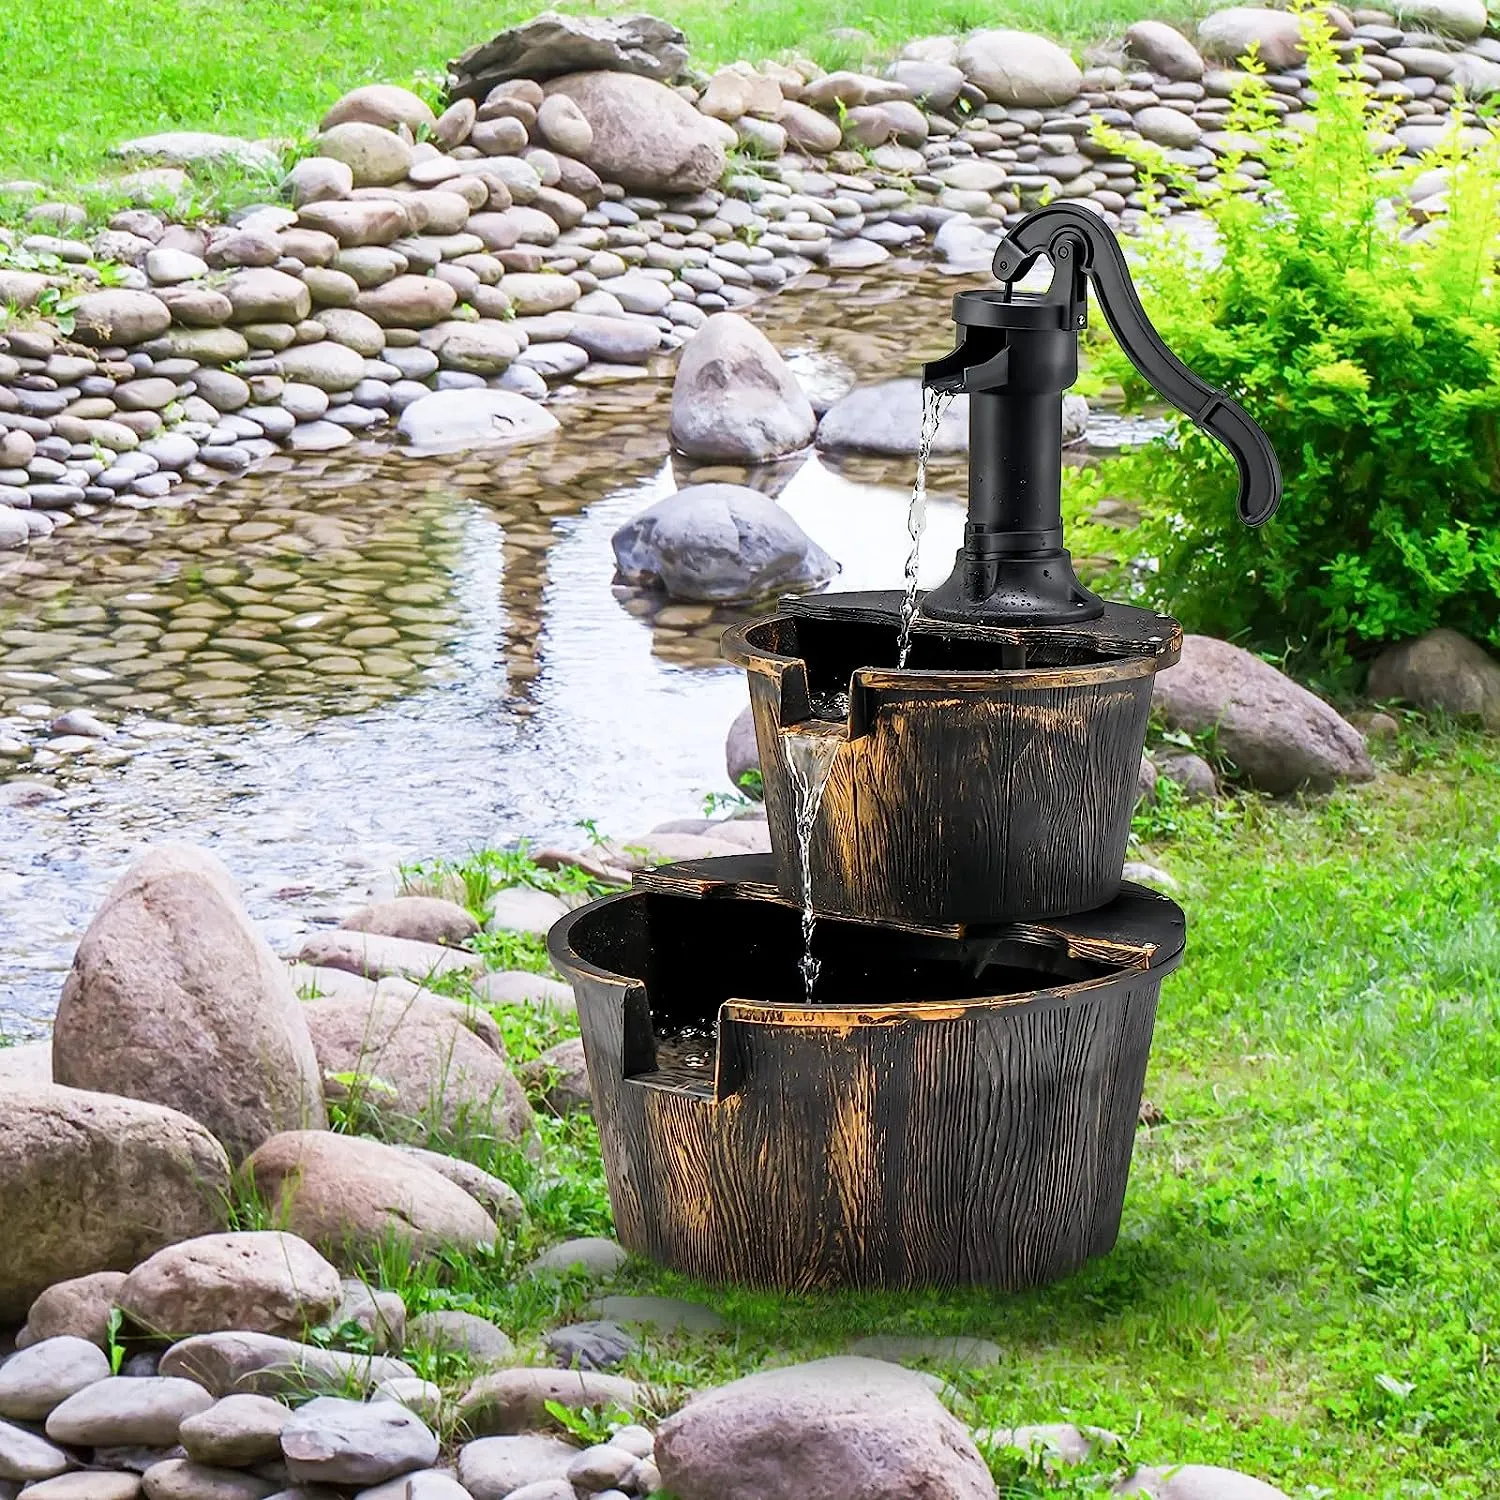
(262, 1281)
(416, 1064)
(1017, 68)
(92, 1182)
(447, 421)
(645, 137)
(719, 542)
(1465, 19)
(352, 1197)
(735, 398)
(175, 998)
(1443, 670)
(1227, 35)
(551, 44)
(1279, 736)
(821, 1431)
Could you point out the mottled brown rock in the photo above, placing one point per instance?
(412, 1061)
(175, 998)
(92, 1182)
(1278, 735)
(80, 1306)
(821, 1431)
(350, 1196)
(263, 1364)
(262, 1281)
(644, 136)
(1442, 670)
(516, 1400)
(423, 919)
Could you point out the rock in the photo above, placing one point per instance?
(181, 1479)
(259, 1281)
(408, 302)
(1440, 670)
(316, 179)
(1055, 1442)
(1168, 127)
(351, 1196)
(222, 389)
(734, 397)
(476, 1338)
(15, 530)
(376, 157)
(601, 1467)
(618, 340)
(447, 421)
(524, 909)
(645, 137)
(94, 1182)
(328, 366)
(550, 44)
(79, 1307)
(260, 1363)
(335, 1441)
(1227, 35)
(483, 348)
(563, 126)
(381, 1315)
(597, 1345)
(190, 148)
(420, 1396)
(559, 1077)
(741, 753)
(25, 1457)
(381, 104)
(1164, 50)
(375, 956)
(662, 1314)
(262, 295)
(88, 1484)
(454, 124)
(498, 1199)
(935, 85)
(509, 1401)
(1197, 1482)
(597, 1259)
(362, 221)
(423, 1069)
(1465, 19)
(45, 1374)
(886, 419)
(808, 130)
(533, 295)
(235, 1432)
(518, 987)
(119, 316)
(167, 267)
(1192, 773)
(1277, 734)
(120, 1410)
(718, 542)
(174, 997)
(1017, 68)
(421, 919)
(496, 1468)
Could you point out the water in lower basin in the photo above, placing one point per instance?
(333, 665)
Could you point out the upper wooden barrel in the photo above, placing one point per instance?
(992, 779)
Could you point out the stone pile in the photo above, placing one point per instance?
(572, 217)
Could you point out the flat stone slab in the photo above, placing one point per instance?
(661, 1314)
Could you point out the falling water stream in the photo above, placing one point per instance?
(934, 404)
(809, 758)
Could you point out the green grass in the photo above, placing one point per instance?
(1306, 1284)
(271, 67)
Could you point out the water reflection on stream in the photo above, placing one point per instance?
(332, 665)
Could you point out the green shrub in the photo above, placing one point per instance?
(1371, 356)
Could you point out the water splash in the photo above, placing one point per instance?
(809, 759)
(934, 404)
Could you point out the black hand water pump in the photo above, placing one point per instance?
(1017, 354)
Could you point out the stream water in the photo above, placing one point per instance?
(337, 664)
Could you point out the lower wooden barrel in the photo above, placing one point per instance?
(959, 1110)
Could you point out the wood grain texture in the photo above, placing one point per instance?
(961, 792)
(974, 1136)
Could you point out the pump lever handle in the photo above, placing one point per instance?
(1104, 263)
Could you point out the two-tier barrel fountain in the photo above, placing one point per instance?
(907, 1048)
